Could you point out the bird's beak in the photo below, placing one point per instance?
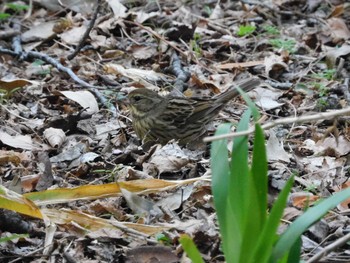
(127, 102)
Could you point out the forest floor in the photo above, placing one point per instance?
(77, 183)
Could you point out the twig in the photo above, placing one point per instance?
(12, 113)
(182, 76)
(279, 85)
(60, 67)
(217, 26)
(30, 254)
(29, 11)
(149, 30)
(9, 33)
(87, 32)
(345, 89)
(268, 125)
(279, 11)
(16, 41)
(152, 32)
(18, 52)
(129, 37)
(340, 67)
(329, 248)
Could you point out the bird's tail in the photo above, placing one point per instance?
(246, 85)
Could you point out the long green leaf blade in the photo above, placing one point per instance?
(191, 249)
(302, 223)
(241, 193)
(239, 172)
(251, 105)
(294, 253)
(220, 187)
(268, 235)
(259, 173)
(257, 196)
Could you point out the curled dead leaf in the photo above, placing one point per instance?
(274, 65)
(84, 98)
(55, 137)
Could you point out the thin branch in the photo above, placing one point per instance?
(87, 32)
(16, 40)
(37, 55)
(9, 33)
(341, 241)
(268, 125)
(182, 76)
(152, 32)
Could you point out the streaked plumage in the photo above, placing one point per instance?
(160, 119)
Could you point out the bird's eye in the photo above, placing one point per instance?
(137, 98)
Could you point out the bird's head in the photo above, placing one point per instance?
(142, 101)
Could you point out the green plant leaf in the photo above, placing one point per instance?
(38, 62)
(232, 243)
(220, 168)
(288, 45)
(272, 30)
(17, 7)
(4, 16)
(252, 226)
(220, 186)
(268, 236)
(256, 213)
(327, 74)
(254, 110)
(238, 184)
(259, 172)
(294, 253)
(164, 239)
(245, 30)
(239, 197)
(190, 249)
(303, 222)
(12, 237)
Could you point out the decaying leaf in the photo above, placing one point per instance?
(147, 254)
(274, 65)
(275, 151)
(169, 158)
(84, 99)
(9, 85)
(19, 141)
(55, 137)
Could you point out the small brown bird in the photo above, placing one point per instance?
(160, 119)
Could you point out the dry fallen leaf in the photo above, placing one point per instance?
(73, 35)
(334, 53)
(274, 148)
(274, 65)
(338, 29)
(267, 99)
(9, 85)
(55, 137)
(343, 206)
(303, 200)
(42, 31)
(19, 141)
(141, 206)
(245, 64)
(83, 98)
(151, 254)
(169, 158)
